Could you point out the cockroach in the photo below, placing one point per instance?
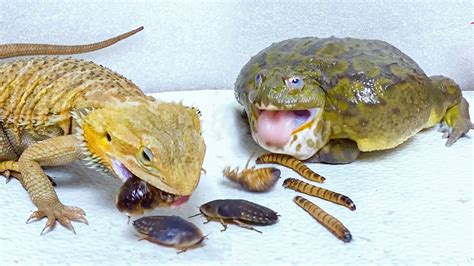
(254, 180)
(324, 218)
(243, 213)
(292, 163)
(137, 196)
(319, 192)
(171, 231)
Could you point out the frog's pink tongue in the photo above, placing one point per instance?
(275, 127)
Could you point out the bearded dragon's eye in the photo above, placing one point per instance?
(146, 156)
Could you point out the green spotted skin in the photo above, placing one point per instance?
(370, 91)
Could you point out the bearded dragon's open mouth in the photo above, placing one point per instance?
(275, 127)
(138, 191)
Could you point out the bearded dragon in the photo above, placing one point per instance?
(57, 110)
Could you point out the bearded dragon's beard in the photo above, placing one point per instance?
(135, 195)
(92, 160)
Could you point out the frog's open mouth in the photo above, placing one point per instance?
(275, 127)
(161, 198)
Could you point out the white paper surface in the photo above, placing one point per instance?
(414, 205)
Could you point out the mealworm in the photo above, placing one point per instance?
(324, 218)
(291, 163)
(319, 192)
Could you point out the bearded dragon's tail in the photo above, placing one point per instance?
(21, 49)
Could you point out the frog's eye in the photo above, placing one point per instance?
(146, 156)
(258, 79)
(295, 82)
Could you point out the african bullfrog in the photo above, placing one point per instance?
(328, 99)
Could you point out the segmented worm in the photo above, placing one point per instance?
(319, 192)
(291, 163)
(324, 218)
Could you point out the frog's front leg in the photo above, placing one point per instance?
(336, 151)
(456, 122)
(51, 152)
(449, 109)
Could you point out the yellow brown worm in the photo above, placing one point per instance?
(324, 218)
(21, 49)
(319, 192)
(292, 163)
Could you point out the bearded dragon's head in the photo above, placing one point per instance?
(160, 143)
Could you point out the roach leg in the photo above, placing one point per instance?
(223, 224)
(181, 251)
(246, 226)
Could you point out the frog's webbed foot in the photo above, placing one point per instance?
(336, 151)
(63, 214)
(456, 122)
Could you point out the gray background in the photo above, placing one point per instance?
(203, 44)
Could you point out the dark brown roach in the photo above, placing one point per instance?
(170, 231)
(292, 163)
(324, 218)
(137, 196)
(243, 213)
(319, 192)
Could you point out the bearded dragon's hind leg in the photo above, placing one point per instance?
(51, 152)
(10, 169)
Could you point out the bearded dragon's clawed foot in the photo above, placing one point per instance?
(63, 214)
(8, 175)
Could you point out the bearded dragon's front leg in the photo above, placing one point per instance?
(51, 152)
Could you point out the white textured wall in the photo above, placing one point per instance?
(203, 44)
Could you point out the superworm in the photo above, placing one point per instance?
(324, 218)
(319, 192)
(291, 163)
